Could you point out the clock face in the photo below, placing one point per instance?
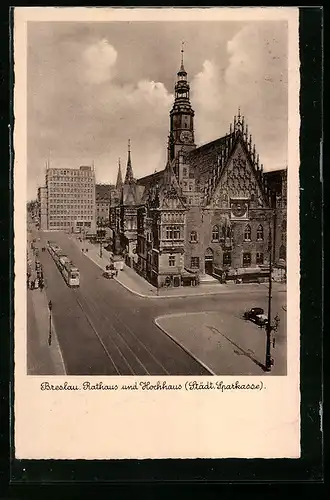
(239, 209)
(186, 136)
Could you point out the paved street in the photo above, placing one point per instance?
(103, 329)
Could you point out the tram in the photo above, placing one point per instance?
(68, 270)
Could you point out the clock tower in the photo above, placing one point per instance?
(181, 137)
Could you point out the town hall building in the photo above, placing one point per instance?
(212, 211)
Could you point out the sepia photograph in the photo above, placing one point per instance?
(156, 198)
(156, 232)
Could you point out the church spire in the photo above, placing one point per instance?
(129, 171)
(119, 182)
(182, 52)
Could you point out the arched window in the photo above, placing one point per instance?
(282, 252)
(247, 233)
(260, 233)
(215, 233)
(193, 236)
(228, 232)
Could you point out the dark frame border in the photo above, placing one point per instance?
(24, 475)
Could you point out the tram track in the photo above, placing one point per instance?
(134, 344)
(121, 351)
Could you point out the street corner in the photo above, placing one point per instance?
(224, 343)
(166, 324)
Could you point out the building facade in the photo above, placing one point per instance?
(69, 195)
(212, 211)
(103, 194)
(127, 198)
(43, 208)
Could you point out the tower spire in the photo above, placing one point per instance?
(182, 52)
(129, 171)
(119, 182)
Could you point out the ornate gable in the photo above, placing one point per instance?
(239, 180)
(170, 198)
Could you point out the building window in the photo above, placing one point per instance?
(171, 260)
(172, 232)
(260, 233)
(168, 232)
(246, 259)
(194, 262)
(226, 259)
(193, 236)
(247, 233)
(282, 253)
(215, 233)
(184, 172)
(260, 258)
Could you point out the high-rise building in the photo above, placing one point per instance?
(43, 209)
(69, 195)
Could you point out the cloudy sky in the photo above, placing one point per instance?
(91, 86)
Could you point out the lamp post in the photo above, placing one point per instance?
(50, 306)
(269, 326)
(268, 363)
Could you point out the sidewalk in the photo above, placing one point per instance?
(223, 344)
(134, 283)
(42, 359)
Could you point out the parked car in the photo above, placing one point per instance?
(257, 315)
(110, 273)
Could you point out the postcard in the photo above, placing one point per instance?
(156, 220)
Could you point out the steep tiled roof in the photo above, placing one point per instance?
(152, 179)
(204, 157)
(132, 194)
(102, 192)
(275, 179)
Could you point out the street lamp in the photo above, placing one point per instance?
(50, 306)
(101, 234)
(270, 327)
